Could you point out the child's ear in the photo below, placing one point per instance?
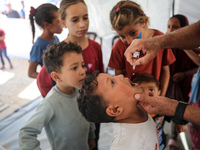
(46, 25)
(159, 92)
(62, 22)
(55, 76)
(114, 110)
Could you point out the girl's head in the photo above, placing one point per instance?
(176, 22)
(74, 16)
(46, 16)
(127, 19)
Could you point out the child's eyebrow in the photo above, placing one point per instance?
(73, 64)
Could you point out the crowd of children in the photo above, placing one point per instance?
(78, 95)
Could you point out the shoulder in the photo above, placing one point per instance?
(93, 43)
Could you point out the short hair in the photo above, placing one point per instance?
(53, 56)
(126, 12)
(146, 78)
(91, 105)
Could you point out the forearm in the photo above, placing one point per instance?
(164, 79)
(193, 56)
(190, 72)
(192, 114)
(183, 38)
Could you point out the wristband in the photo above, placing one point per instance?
(178, 117)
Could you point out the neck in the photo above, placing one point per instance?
(82, 41)
(46, 35)
(66, 90)
(139, 116)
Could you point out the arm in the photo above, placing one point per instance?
(164, 79)
(165, 106)
(187, 37)
(177, 77)
(2, 37)
(193, 56)
(28, 134)
(32, 69)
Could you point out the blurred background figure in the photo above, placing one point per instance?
(22, 12)
(12, 13)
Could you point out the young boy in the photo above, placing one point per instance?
(104, 98)
(150, 87)
(65, 127)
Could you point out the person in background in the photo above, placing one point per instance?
(130, 22)
(181, 73)
(22, 12)
(77, 23)
(3, 50)
(12, 13)
(58, 113)
(47, 17)
(106, 98)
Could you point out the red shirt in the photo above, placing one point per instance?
(2, 42)
(92, 57)
(118, 61)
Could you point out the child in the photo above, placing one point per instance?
(3, 50)
(77, 22)
(65, 127)
(104, 98)
(130, 22)
(47, 17)
(150, 87)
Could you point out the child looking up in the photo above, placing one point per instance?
(133, 128)
(74, 16)
(130, 22)
(47, 18)
(65, 127)
(150, 87)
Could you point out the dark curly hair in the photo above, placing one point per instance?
(146, 78)
(52, 57)
(92, 106)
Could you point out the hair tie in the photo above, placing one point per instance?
(32, 11)
(117, 9)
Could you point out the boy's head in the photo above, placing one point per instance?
(64, 62)
(148, 83)
(104, 98)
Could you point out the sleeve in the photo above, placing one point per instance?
(117, 60)
(44, 82)
(36, 54)
(92, 131)
(168, 57)
(28, 133)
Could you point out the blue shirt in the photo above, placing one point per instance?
(38, 48)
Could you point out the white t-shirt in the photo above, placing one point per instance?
(137, 136)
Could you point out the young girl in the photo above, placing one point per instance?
(47, 17)
(74, 16)
(130, 22)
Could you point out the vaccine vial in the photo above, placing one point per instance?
(135, 57)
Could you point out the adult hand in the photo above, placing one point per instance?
(157, 104)
(177, 77)
(147, 47)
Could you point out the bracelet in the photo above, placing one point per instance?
(178, 117)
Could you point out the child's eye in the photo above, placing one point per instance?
(83, 66)
(85, 18)
(75, 20)
(74, 68)
(152, 90)
(112, 83)
(122, 37)
(132, 33)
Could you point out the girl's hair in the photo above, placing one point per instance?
(44, 13)
(126, 13)
(182, 19)
(66, 3)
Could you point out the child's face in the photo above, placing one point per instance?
(150, 87)
(117, 90)
(77, 20)
(72, 72)
(173, 24)
(55, 26)
(130, 32)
